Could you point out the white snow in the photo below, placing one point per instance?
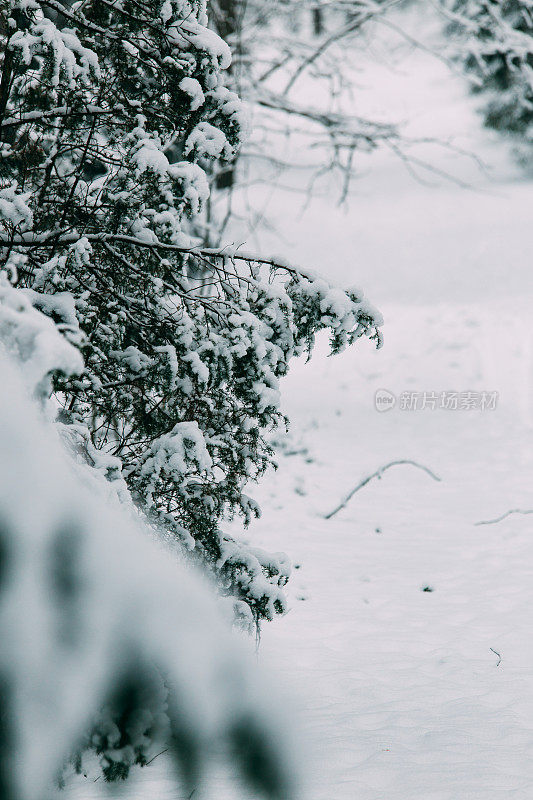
(192, 87)
(409, 693)
(62, 47)
(34, 339)
(406, 693)
(189, 33)
(207, 141)
(14, 208)
(179, 453)
(133, 600)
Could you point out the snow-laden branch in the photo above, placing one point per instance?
(184, 345)
(99, 623)
(59, 238)
(60, 111)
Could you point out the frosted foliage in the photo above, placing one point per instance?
(62, 69)
(190, 34)
(14, 210)
(192, 87)
(94, 614)
(114, 114)
(34, 339)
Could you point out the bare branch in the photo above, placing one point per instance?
(377, 474)
(336, 36)
(504, 516)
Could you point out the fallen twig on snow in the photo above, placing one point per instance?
(496, 654)
(504, 516)
(157, 756)
(377, 474)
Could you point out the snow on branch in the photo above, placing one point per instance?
(184, 346)
(95, 615)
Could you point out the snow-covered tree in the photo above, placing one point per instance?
(496, 47)
(111, 649)
(110, 112)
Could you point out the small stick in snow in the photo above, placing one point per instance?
(157, 756)
(504, 516)
(496, 654)
(377, 474)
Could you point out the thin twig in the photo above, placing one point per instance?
(377, 474)
(156, 756)
(504, 516)
(496, 654)
(63, 237)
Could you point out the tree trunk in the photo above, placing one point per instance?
(318, 21)
(226, 19)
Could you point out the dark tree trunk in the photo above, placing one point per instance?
(318, 21)
(227, 20)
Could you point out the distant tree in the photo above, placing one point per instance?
(496, 48)
(110, 115)
(292, 66)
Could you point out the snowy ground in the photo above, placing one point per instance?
(406, 697)
(406, 693)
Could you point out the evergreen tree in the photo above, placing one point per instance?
(110, 114)
(497, 50)
(108, 646)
